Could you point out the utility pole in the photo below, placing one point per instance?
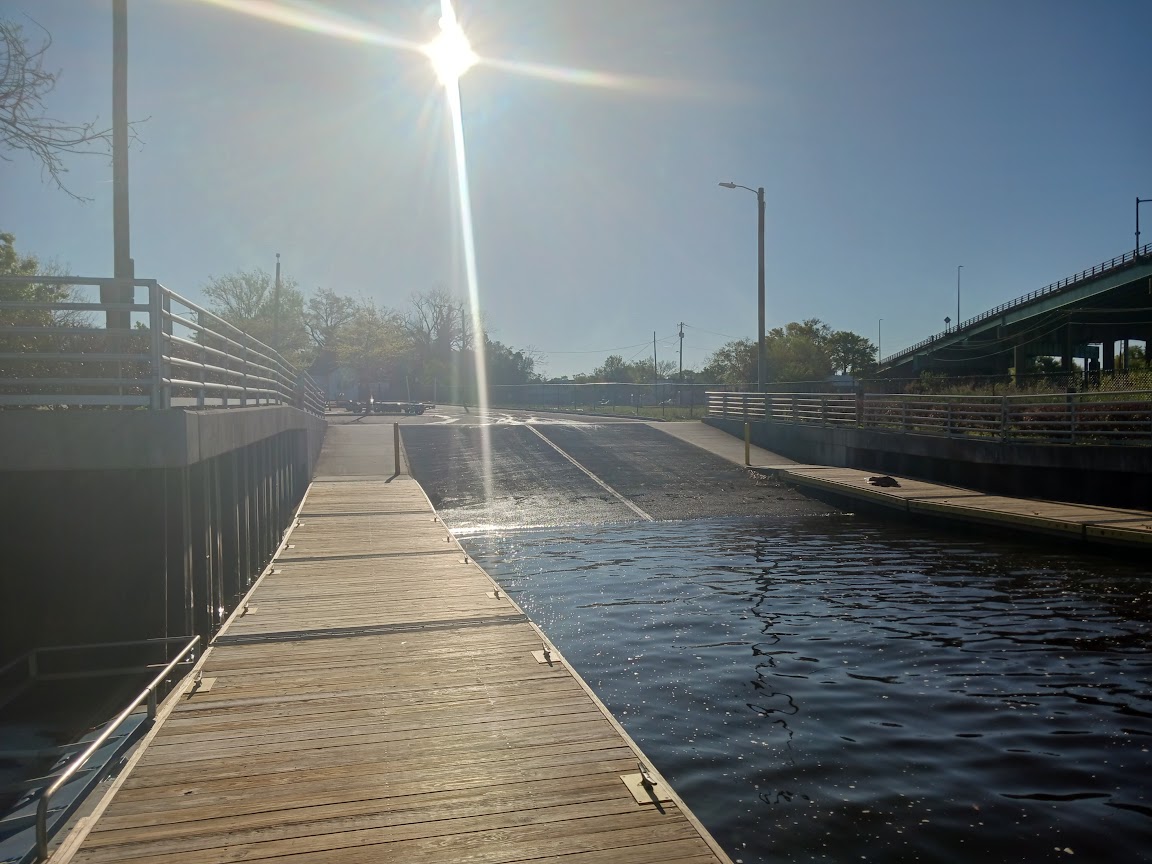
(761, 360)
(122, 250)
(276, 307)
(654, 382)
(681, 353)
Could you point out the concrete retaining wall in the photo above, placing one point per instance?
(1112, 476)
(130, 525)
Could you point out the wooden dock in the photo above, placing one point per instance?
(1081, 522)
(379, 700)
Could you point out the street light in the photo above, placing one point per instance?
(879, 341)
(759, 282)
(1139, 201)
(959, 267)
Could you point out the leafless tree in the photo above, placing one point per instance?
(24, 123)
(435, 323)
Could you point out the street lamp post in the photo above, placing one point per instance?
(959, 267)
(879, 341)
(760, 359)
(1139, 201)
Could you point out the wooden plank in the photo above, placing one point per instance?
(439, 739)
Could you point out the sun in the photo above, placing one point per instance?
(450, 53)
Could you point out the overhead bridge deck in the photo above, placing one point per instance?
(1107, 303)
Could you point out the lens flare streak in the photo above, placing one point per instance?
(448, 24)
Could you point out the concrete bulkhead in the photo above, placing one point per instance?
(122, 525)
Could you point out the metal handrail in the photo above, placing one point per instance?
(149, 694)
(230, 362)
(1067, 418)
(1067, 282)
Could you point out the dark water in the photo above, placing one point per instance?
(839, 689)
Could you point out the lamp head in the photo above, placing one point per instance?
(728, 185)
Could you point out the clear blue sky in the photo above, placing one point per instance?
(895, 140)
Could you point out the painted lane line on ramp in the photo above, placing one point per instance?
(591, 476)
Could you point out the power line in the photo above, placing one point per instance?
(713, 332)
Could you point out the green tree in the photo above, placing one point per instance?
(41, 348)
(438, 330)
(732, 363)
(798, 351)
(12, 263)
(248, 300)
(508, 366)
(325, 317)
(1137, 358)
(851, 353)
(616, 370)
(373, 344)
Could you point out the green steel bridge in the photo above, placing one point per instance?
(1081, 317)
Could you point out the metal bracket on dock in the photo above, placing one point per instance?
(200, 684)
(645, 788)
(248, 610)
(546, 656)
(495, 593)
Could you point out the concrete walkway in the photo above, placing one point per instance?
(720, 443)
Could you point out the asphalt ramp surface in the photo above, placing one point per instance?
(551, 475)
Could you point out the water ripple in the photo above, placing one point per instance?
(846, 690)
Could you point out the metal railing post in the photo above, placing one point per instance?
(203, 373)
(156, 349)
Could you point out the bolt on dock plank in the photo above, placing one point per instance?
(379, 701)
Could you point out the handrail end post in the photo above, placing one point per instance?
(42, 828)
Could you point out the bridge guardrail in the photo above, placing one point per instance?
(1116, 263)
(52, 353)
(1064, 418)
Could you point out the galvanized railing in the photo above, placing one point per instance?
(1117, 263)
(149, 696)
(1064, 418)
(167, 352)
